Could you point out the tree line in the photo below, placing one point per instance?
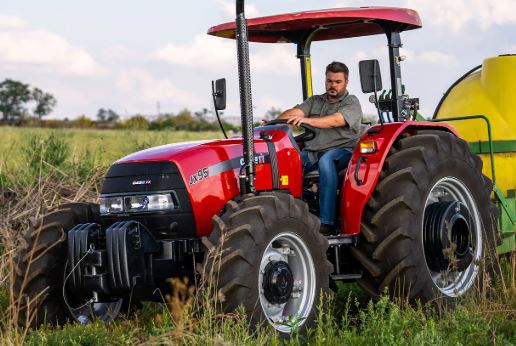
(24, 105)
(19, 100)
(185, 120)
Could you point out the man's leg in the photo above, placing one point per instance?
(330, 163)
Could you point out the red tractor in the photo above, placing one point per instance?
(415, 211)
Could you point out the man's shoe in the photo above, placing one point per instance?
(327, 229)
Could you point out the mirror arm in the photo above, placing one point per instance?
(215, 94)
(374, 130)
(376, 99)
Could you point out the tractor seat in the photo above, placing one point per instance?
(312, 174)
(315, 174)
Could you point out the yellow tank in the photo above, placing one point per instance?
(490, 91)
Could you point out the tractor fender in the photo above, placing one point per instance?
(364, 170)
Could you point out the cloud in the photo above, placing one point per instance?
(459, 13)
(119, 53)
(43, 51)
(456, 14)
(427, 57)
(143, 91)
(204, 50)
(277, 59)
(433, 57)
(511, 49)
(228, 8)
(214, 52)
(378, 53)
(10, 22)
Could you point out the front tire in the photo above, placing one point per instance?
(266, 254)
(429, 224)
(41, 267)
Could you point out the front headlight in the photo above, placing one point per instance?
(160, 202)
(138, 203)
(110, 205)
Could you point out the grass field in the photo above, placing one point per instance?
(106, 145)
(40, 169)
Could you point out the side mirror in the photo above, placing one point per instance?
(370, 76)
(218, 88)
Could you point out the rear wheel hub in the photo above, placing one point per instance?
(447, 236)
(278, 282)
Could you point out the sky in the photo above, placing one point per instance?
(149, 56)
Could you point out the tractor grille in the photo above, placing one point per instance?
(153, 177)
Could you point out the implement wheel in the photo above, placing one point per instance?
(266, 254)
(428, 231)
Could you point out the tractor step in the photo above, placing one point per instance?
(346, 277)
(335, 240)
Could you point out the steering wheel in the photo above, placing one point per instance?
(306, 136)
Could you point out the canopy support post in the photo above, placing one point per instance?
(303, 54)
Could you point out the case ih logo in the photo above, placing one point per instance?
(258, 159)
(141, 182)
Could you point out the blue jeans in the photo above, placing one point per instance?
(329, 164)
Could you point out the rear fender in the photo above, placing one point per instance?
(354, 194)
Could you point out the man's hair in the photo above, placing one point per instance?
(337, 67)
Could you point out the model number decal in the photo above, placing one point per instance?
(199, 176)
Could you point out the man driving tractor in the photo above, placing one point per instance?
(336, 116)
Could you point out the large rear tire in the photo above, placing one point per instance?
(41, 266)
(429, 227)
(266, 254)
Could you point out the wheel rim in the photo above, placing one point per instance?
(287, 282)
(105, 312)
(85, 312)
(454, 281)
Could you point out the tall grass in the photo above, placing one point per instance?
(31, 188)
(107, 145)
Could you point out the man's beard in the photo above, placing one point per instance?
(335, 96)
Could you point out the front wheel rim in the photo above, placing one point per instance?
(452, 282)
(106, 312)
(291, 259)
(89, 312)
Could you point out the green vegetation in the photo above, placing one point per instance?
(40, 169)
(101, 146)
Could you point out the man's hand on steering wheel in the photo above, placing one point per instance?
(297, 120)
(308, 135)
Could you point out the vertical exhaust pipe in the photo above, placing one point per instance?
(247, 172)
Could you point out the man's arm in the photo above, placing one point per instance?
(292, 112)
(326, 122)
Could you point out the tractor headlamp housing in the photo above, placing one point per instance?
(138, 203)
(109, 205)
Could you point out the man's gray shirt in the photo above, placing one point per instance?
(345, 136)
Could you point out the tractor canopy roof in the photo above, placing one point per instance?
(333, 24)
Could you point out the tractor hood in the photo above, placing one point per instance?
(167, 152)
(203, 175)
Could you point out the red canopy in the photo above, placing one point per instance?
(337, 23)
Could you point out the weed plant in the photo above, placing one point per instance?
(41, 153)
